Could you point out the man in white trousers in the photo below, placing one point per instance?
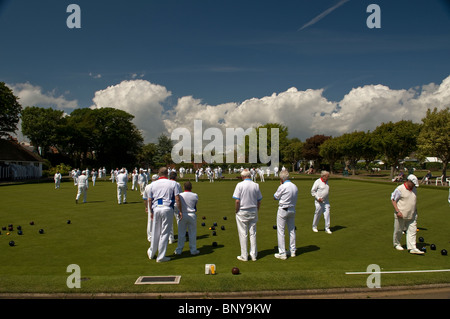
(82, 182)
(189, 221)
(286, 194)
(320, 191)
(122, 180)
(404, 200)
(147, 204)
(176, 213)
(162, 193)
(57, 179)
(248, 198)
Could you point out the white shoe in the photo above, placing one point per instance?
(241, 258)
(253, 258)
(399, 247)
(328, 231)
(196, 252)
(292, 254)
(281, 256)
(416, 251)
(315, 229)
(164, 259)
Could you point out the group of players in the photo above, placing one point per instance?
(164, 200)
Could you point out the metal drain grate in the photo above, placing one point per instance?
(158, 280)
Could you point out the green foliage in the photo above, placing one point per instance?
(395, 141)
(43, 126)
(9, 111)
(104, 136)
(434, 138)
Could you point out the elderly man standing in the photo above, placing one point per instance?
(122, 180)
(320, 191)
(248, 201)
(82, 182)
(163, 194)
(286, 194)
(404, 199)
(57, 179)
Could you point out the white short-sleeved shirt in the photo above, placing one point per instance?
(189, 202)
(82, 181)
(122, 179)
(286, 194)
(248, 193)
(162, 192)
(320, 189)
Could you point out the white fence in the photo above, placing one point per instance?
(20, 172)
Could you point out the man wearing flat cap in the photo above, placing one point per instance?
(404, 200)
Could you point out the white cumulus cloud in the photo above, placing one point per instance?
(139, 98)
(33, 95)
(308, 112)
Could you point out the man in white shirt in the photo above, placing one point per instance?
(147, 204)
(176, 213)
(122, 180)
(57, 179)
(404, 199)
(286, 194)
(142, 181)
(248, 201)
(189, 221)
(134, 179)
(82, 182)
(163, 194)
(320, 191)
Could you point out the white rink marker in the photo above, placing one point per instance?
(395, 272)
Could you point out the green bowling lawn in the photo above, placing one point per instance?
(108, 241)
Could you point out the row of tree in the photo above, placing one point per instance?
(108, 137)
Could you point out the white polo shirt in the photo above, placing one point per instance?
(320, 189)
(162, 192)
(82, 181)
(286, 194)
(248, 193)
(189, 202)
(122, 179)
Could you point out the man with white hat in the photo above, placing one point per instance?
(82, 182)
(248, 198)
(122, 180)
(162, 194)
(404, 200)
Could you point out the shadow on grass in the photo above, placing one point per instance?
(336, 228)
(299, 251)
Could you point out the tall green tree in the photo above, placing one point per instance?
(395, 141)
(434, 138)
(311, 149)
(43, 127)
(116, 139)
(292, 152)
(351, 146)
(164, 150)
(330, 151)
(9, 111)
(146, 157)
(369, 151)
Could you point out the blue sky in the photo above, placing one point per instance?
(220, 52)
